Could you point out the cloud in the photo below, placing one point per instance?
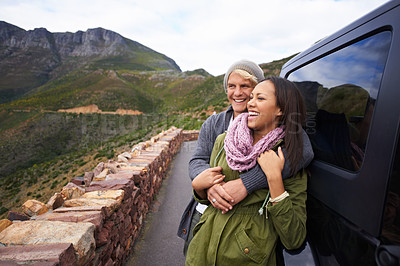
(209, 34)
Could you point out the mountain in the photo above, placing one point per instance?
(29, 59)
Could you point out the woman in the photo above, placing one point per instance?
(248, 234)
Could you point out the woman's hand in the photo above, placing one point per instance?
(208, 178)
(272, 165)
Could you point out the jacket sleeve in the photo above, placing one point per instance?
(217, 146)
(255, 179)
(289, 215)
(200, 160)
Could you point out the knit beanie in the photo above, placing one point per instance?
(246, 65)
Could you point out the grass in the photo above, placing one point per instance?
(11, 119)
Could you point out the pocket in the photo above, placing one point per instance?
(248, 248)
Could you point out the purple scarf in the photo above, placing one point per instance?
(241, 155)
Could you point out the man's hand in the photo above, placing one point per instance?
(236, 189)
(227, 194)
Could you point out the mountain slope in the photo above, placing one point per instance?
(29, 59)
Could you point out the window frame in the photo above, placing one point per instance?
(345, 82)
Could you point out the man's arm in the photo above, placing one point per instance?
(200, 160)
(255, 179)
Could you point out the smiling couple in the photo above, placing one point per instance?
(242, 164)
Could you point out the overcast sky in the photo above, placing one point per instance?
(209, 34)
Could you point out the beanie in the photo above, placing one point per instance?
(246, 65)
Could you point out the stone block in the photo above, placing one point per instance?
(134, 168)
(190, 135)
(94, 217)
(72, 191)
(99, 208)
(155, 139)
(87, 178)
(15, 216)
(51, 254)
(122, 158)
(129, 174)
(138, 147)
(56, 201)
(103, 236)
(113, 166)
(117, 195)
(135, 192)
(98, 169)
(102, 175)
(110, 184)
(79, 181)
(109, 204)
(81, 235)
(137, 163)
(4, 223)
(34, 207)
(127, 155)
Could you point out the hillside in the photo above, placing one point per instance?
(41, 149)
(29, 59)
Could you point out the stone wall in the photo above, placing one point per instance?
(95, 219)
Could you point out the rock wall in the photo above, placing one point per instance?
(95, 219)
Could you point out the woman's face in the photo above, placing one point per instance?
(239, 90)
(263, 111)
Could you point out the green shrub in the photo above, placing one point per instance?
(37, 196)
(54, 184)
(3, 210)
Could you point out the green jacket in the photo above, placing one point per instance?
(243, 236)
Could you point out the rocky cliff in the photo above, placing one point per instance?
(31, 58)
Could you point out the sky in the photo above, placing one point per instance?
(208, 34)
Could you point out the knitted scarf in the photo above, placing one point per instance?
(241, 155)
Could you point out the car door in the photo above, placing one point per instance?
(350, 83)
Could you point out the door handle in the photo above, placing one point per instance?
(388, 255)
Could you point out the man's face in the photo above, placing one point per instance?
(239, 90)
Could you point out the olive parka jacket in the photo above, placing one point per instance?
(243, 236)
(253, 179)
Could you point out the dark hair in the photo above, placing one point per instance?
(291, 103)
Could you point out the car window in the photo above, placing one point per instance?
(391, 218)
(340, 91)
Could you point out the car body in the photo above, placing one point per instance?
(350, 82)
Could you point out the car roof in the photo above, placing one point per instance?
(355, 24)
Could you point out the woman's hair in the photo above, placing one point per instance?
(291, 103)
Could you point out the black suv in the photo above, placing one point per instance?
(350, 82)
